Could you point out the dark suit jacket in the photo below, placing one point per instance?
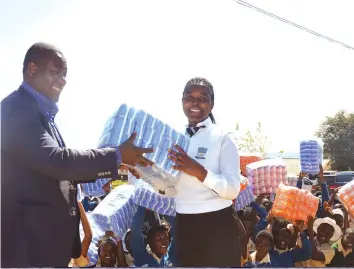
(38, 186)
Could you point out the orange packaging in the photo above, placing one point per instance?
(243, 185)
(245, 160)
(346, 196)
(293, 204)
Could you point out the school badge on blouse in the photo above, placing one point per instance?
(201, 153)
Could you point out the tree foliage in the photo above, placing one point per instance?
(252, 142)
(337, 134)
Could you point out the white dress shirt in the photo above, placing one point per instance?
(217, 151)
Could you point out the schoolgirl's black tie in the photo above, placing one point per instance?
(193, 130)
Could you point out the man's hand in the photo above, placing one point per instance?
(132, 155)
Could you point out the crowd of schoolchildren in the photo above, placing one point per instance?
(324, 241)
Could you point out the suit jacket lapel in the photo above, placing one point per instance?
(47, 126)
(59, 134)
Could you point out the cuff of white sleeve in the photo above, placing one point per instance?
(210, 181)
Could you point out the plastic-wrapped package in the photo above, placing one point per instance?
(95, 188)
(310, 154)
(294, 204)
(117, 210)
(97, 233)
(158, 178)
(346, 196)
(320, 152)
(245, 198)
(151, 132)
(266, 175)
(154, 201)
(245, 160)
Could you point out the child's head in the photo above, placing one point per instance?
(326, 230)
(198, 100)
(338, 216)
(267, 204)
(264, 243)
(107, 252)
(283, 239)
(277, 226)
(338, 205)
(348, 239)
(158, 238)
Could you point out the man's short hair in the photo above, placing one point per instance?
(39, 52)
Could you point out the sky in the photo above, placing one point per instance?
(143, 52)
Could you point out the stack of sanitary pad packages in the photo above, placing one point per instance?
(149, 198)
(293, 204)
(266, 175)
(247, 159)
(151, 133)
(115, 212)
(97, 233)
(310, 156)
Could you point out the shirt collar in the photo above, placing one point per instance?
(207, 122)
(266, 258)
(341, 249)
(281, 251)
(148, 249)
(47, 106)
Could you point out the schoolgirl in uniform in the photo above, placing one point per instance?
(207, 233)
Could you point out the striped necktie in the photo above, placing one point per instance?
(193, 130)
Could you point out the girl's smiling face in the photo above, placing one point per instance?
(160, 243)
(108, 254)
(197, 104)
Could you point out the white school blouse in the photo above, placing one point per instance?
(217, 151)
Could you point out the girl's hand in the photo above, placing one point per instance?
(186, 164)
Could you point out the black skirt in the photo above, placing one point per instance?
(209, 239)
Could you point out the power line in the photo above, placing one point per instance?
(293, 24)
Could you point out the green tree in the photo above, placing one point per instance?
(252, 142)
(337, 134)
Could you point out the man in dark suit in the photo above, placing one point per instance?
(39, 175)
